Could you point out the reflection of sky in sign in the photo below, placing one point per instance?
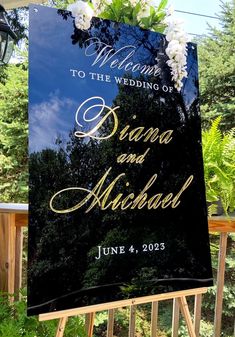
(55, 94)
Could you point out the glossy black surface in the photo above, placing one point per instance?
(63, 269)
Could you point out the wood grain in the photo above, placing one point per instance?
(7, 252)
(132, 321)
(185, 311)
(221, 224)
(61, 327)
(220, 284)
(18, 261)
(21, 220)
(110, 326)
(119, 304)
(175, 318)
(197, 313)
(154, 319)
(89, 324)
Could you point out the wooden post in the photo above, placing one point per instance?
(7, 253)
(197, 313)
(132, 321)
(154, 319)
(61, 327)
(18, 261)
(185, 311)
(90, 318)
(175, 318)
(110, 323)
(220, 284)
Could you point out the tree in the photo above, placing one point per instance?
(13, 135)
(17, 19)
(217, 70)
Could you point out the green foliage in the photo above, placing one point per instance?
(13, 135)
(217, 70)
(206, 330)
(124, 11)
(121, 322)
(219, 166)
(15, 323)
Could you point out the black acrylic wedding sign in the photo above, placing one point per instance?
(117, 197)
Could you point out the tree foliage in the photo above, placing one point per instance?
(217, 70)
(13, 135)
(17, 19)
(219, 166)
(15, 323)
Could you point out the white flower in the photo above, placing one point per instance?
(133, 2)
(144, 13)
(82, 22)
(179, 36)
(176, 49)
(170, 10)
(82, 13)
(99, 5)
(143, 3)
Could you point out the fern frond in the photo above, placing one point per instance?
(212, 209)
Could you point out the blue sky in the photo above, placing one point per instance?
(195, 24)
(54, 93)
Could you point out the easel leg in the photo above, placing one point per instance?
(154, 319)
(220, 284)
(175, 318)
(132, 321)
(110, 323)
(185, 311)
(197, 313)
(61, 327)
(90, 318)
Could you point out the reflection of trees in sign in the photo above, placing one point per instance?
(149, 47)
(67, 244)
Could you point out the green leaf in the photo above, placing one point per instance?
(162, 5)
(152, 11)
(145, 22)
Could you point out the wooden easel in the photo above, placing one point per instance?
(179, 298)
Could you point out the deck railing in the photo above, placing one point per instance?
(13, 217)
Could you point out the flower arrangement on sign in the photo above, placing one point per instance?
(148, 14)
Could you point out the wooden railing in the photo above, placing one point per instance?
(13, 217)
